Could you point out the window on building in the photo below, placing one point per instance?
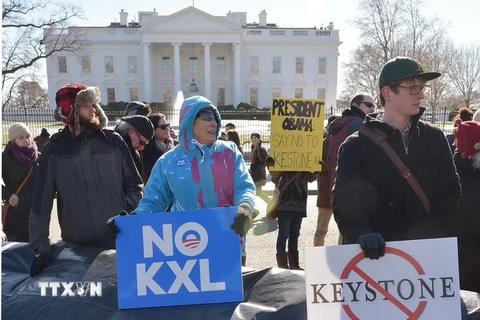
(322, 65)
(167, 96)
(111, 94)
(220, 96)
(277, 65)
(276, 93)
(132, 64)
(193, 65)
(62, 64)
(133, 94)
(109, 67)
(253, 64)
(221, 65)
(299, 65)
(298, 93)
(86, 68)
(321, 93)
(254, 97)
(166, 65)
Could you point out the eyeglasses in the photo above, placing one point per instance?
(206, 116)
(368, 104)
(164, 126)
(415, 89)
(142, 143)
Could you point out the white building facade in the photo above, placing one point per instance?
(223, 58)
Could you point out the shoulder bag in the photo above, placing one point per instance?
(272, 205)
(5, 206)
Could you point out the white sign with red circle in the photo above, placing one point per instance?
(415, 279)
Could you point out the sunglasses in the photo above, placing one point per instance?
(164, 126)
(368, 104)
(141, 141)
(206, 116)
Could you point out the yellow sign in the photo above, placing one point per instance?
(296, 136)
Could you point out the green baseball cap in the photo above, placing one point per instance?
(402, 68)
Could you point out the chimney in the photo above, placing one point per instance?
(262, 19)
(123, 18)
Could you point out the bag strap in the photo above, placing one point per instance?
(288, 182)
(24, 180)
(380, 139)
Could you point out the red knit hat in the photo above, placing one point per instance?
(467, 138)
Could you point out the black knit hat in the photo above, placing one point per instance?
(142, 124)
(256, 135)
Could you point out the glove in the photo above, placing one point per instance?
(269, 162)
(13, 201)
(242, 221)
(111, 222)
(372, 244)
(40, 261)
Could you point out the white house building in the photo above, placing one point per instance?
(223, 58)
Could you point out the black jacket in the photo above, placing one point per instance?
(94, 178)
(151, 153)
(257, 164)
(13, 174)
(369, 194)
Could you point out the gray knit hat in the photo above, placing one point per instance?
(18, 129)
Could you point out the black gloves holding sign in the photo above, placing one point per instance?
(372, 244)
(111, 222)
(242, 221)
(43, 256)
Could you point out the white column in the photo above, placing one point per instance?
(176, 69)
(208, 81)
(147, 73)
(236, 74)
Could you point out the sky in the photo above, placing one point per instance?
(461, 15)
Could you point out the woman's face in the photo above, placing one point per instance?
(162, 132)
(205, 127)
(254, 140)
(23, 140)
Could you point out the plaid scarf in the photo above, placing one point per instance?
(26, 155)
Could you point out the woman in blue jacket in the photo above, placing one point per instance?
(201, 172)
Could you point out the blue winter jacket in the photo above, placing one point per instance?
(194, 177)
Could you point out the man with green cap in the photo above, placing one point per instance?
(373, 201)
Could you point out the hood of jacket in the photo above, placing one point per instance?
(189, 110)
(347, 116)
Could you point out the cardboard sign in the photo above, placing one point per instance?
(296, 136)
(178, 258)
(415, 279)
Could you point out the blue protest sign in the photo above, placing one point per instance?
(178, 258)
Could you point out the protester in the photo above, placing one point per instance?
(137, 108)
(372, 202)
(464, 114)
(19, 167)
(223, 136)
(159, 145)
(351, 119)
(291, 209)
(467, 160)
(137, 131)
(233, 136)
(174, 137)
(212, 173)
(42, 139)
(229, 126)
(90, 171)
(324, 197)
(257, 167)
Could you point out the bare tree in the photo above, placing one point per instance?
(33, 30)
(464, 71)
(379, 22)
(30, 95)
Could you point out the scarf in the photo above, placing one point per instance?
(163, 147)
(25, 155)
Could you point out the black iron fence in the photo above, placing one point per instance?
(246, 121)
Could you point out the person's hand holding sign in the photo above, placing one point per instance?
(111, 222)
(372, 244)
(242, 221)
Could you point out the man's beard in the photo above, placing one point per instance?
(89, 123)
